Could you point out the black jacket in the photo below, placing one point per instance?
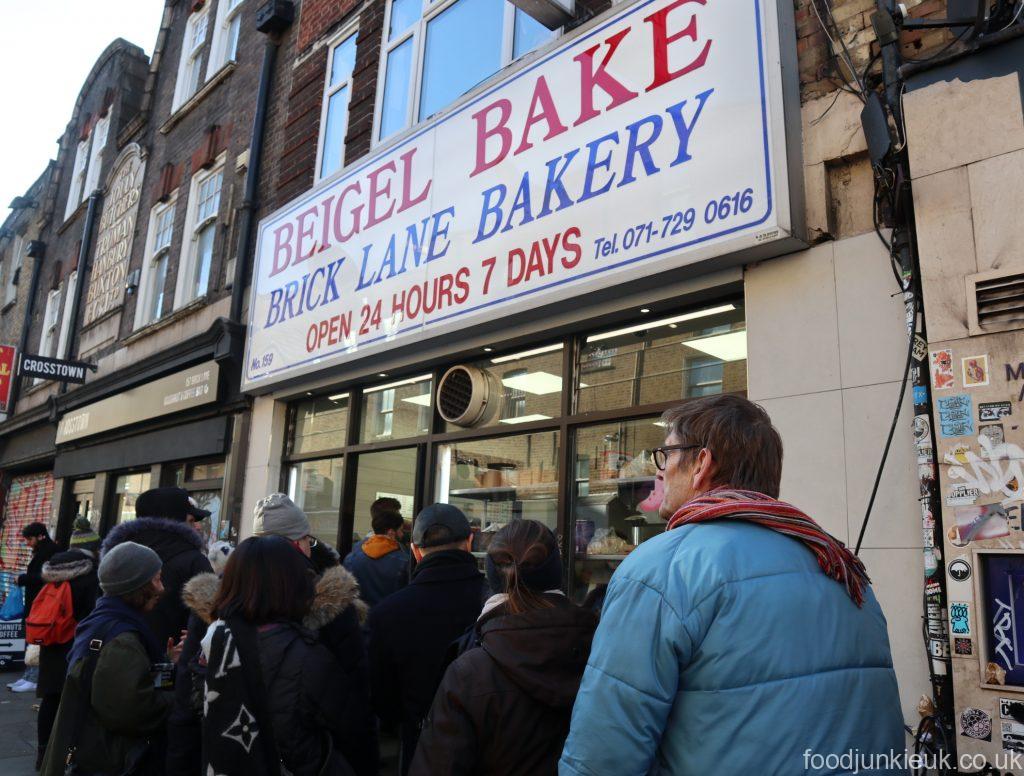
(32, 579)
(181, 550)
(504, 705)
(335, 618)
(78, 567)
(410, 632)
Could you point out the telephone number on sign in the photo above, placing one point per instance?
(674, 224)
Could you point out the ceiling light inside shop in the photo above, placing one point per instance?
(538, 383)
(725, 308)
(423, 400)
(645, 310)
(526, 354)
(338, 397)
(488, 350)
(726, 347)
(410, 381)
(525, 419)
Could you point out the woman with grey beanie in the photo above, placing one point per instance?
(112, 711)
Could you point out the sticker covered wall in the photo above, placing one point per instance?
(651, 140)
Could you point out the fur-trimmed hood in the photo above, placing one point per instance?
(65, 566)
(336, 590)
(167, 538)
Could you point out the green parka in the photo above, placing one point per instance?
(126, 710)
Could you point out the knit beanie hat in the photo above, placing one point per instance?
(277, 515)
(83, 537)
(127, 567)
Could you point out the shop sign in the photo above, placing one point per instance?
(7, 356)
(116, 232)
(190, 388)
(650, 141)
(54, 369)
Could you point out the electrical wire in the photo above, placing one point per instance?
(940, 52)
(859, 90)
(892, 428)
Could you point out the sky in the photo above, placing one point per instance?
(47, 48)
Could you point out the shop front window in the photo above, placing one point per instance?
(320, 424)
(497, 480)
(212, 528)
(85, 497)
(528, 384)
(397, 410)
(676, 357)
(389, 473)
(315, 487)
(615, 499)
(127, 490)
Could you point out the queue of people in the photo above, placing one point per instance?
(745, 615)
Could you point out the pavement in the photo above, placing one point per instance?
(17, 727)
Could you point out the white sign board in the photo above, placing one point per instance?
(650, 141)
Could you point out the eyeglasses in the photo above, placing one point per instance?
(312, 541)
(660, 454)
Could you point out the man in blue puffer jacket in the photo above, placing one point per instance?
(744, 640)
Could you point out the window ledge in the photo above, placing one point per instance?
(171, 317)
(8, 306)
(189, 105)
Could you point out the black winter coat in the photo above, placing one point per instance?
(32, 579)
(181, 550)
(410, 632)
(504, 705)
(78, 567)
(335, 618)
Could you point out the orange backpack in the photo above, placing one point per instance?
(52, 618)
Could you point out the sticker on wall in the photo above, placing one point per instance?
(995, 674)
(963, 647)
(960, 618)
(961, 496)
(939, 648)
(960, 570)
(920, 395)
(959, 454)
(1013, 736)
(975, 371)
(920, 348)
(941, 363)
(1010, 708)
(933, 588)
(975, 723)
(994, 410)
(956, 416)
(994, 433)
(986, 521)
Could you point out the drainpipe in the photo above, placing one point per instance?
(272, 19)
(83, 255)
(36, 251)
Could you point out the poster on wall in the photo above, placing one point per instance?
(651, 140)
(8, 353)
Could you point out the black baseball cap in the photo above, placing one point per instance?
(171, 503)
(450, 517)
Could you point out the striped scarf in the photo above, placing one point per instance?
(748, 505)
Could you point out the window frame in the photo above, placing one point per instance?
(193, 227)
(79, 172)
(349, 31)
(14, 264)
(219, 54)
(65, 315)
(146, 288)
(190, 55)
(417, 31)
(97, 143)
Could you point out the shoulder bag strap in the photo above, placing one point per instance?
(85, 683)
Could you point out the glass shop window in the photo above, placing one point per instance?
(682, 356)
(495, 481)
(390, 473)
(528, 383)
(320, 423)
(127, 489)
(315, 487)
(616, 497)
(1002, 613)
(397, 410)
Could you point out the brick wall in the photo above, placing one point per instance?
(318, 17)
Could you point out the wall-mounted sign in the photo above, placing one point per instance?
(652, 140)
(8, 353)
(180, 391)
(54, 369)
(116, 232)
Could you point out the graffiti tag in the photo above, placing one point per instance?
(997, 470)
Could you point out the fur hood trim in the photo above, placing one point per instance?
(133, 530)
(63, 572)
(336, 590)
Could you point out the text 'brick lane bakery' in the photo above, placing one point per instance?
(493, 308)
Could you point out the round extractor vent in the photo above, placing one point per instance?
(467, 396)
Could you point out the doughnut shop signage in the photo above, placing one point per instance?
(650, 141)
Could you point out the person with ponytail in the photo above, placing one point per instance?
(504, 704)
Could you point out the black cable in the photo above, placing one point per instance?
(940, 52)
(892, 428)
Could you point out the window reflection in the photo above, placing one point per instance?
(398, 409)
(390, 473)
(127, 490)
(315, 487)
(320, 424)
